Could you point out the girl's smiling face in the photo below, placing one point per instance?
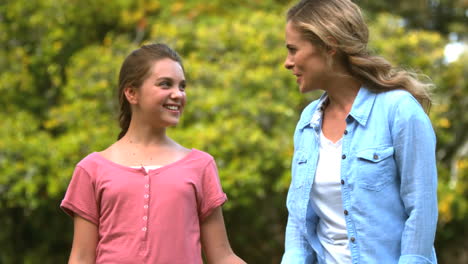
(161, 98)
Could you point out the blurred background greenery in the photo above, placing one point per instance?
(59, 61)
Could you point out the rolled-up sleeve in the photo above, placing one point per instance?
(80, 197)
(297, 249)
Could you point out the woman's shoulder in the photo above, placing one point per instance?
(397, 96)
(401, 104)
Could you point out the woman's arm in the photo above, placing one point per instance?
(85, 237)
(415, 142)
(215, 242)
(297, 249)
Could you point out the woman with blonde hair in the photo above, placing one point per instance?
(364, 177)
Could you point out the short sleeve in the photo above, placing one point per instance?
(212, 195)
(80, 197)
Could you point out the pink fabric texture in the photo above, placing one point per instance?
(145, 217)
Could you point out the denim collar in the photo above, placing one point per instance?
(360, 110)
(362, 105)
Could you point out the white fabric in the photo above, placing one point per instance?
(147, 168)
(327, 203)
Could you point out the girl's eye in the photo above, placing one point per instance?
(182, 87)
(165, 84)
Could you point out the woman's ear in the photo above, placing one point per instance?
(131, 94)
(330, 49)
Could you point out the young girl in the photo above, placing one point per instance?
(364, 177)
(147, 199)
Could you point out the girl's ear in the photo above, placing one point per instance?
(131, 94)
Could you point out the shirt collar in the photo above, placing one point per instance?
(314, 117)
(360, 110)
(362, 105)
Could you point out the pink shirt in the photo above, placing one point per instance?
(145, 217)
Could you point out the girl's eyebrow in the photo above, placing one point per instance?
(164, 78)
(168, 79)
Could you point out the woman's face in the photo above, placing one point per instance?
(161, 98)
(306, 61)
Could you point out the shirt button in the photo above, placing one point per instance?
(145, 206)
(146, 196)
(376, 156)
(352, 239)
(342, 181)
(146, 185)
(346, 132)
(344, 156)
(145, 218)
(144, 229)
(346, 212)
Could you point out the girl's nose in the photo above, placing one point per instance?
(177, 93)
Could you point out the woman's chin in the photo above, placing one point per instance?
(305, 89)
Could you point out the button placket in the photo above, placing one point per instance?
(344, 156)
(146, 201)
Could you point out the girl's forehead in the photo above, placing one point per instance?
(167, 67)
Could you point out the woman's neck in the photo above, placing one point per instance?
(341, 94)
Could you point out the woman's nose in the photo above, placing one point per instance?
(288, 63)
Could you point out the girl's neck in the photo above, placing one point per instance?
(137, 150)
(146, 135)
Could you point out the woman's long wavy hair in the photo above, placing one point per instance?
(134, 71)
(339, 24)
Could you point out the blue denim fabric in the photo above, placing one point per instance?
(389, 182)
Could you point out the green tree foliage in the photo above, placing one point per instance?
(59, 62)
(444, 16)
(450, 120)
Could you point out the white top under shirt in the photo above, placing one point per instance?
(147, 168)
(327, 203)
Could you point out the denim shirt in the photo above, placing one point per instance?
(388, 180)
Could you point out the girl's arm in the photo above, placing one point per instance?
(85, 237)
(215, 242)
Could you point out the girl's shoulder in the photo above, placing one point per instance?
(92, 161)
(201, 155)
(97, 163)
(192, 154)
